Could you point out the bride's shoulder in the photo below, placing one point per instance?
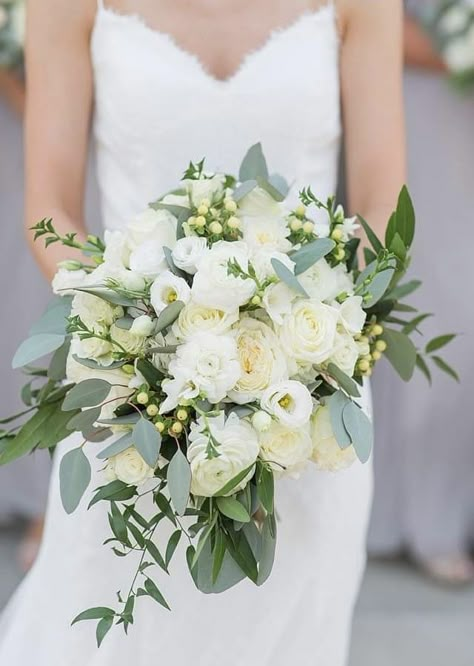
(370, 13)
(76, 15)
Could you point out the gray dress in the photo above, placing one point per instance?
(424, 459)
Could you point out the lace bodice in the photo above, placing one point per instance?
(157, 107)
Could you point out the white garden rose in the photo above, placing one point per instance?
(129, 467)
(286, 449)
(142, 326)
(205, 188)
(214, 286)
(168, 288)
(65, 282)
(188, 252)
(96, 349)
(157, 225)
(207, 366)
(320, 281)
(289, 402)
(327, 454)
(236, 448)
(352, 315)
(92, 310)
(262, 361)
(127, 340)
(195, 318)
(278, 300)
(148, 259)
(346, 353)
(308, 333)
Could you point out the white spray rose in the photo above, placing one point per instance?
(207, 366)
(64, 282)
(351, 314)
(346, 353)
(308, 333)
(289, 402)
(195, 318)
(327, 454)
(168, 288)
(237, 449)
(261, 421)
(157, 225)
(286, 449)
(262, 361)
(214, 286)
(188, 252)
(128, 467)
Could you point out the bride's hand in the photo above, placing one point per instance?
(13, 90)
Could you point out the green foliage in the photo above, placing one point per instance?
(74, 478)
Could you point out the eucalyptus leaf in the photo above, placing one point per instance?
(29, 436)
(360, 430)
(230, 573)
(127, 419)
(54, 320)
(74, 478)
(90, 363)
(168, 316)
(107, 295)
(245, 188)
(265, 487)
(254, 164)
(267, 556)
(445, 367)
(89, 393)
(288, 278)
(179, 481)
(232, 508)
(57, 366)
(120, 445)
(403, 290)
(337, 402)
(439, 342)
(36, 347)
(311, 253)
(401, 352)
(124, 323)
(147, 441)
(279, 183)
(234, 482)
(371, 235)
(265, 185)
(84, 419)
(344, 381)
(152, 375)
(172, 266)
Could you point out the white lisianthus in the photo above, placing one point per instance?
(157, 225)
(320, 281)
(188, 252)
(262, 361)
(148, 259)
(129, 467)
(286, 449)
(205, 188)
(346, 353)
(289, 402)
(142, 326)
(261, 261)
(308, 333)
(459, 52)
(352, 315)
(234, 449)
(168, 288)
(195, 318)
(327, 454)
(65, 282)
(278, 300)
(214, 286)
(207, 366)
(125, 339)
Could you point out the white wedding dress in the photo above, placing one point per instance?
(156, 108)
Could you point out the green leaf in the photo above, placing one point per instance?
(371, 235)
(168, 316)
(74, 478)
(218, 555)
(155, 593)
(369, 256)
(439, 342)
(57, 366)
(124, 323)
(265, 487)
(126, 419)
(413, 325)
(90, 363)
(147, 441)
(172, 545)
(288, 278)
(421, 365)
(337, 402)
(171, 265)
(405, 217)
(29, 436)
(267, 556)
(401, 352)
(107, 295)
(233, 483)
(344, 381)
(54, 319)
(254, 164)
(310, 253)
(205, 534)
(270, 189)
(35, 347)
(244, 189)
(103, 628)
(231, 508)
(360, 430)
(242, 555)
(156, 555)
(116, 491)
(118, 524)
(445, 367)
(89, 393)
(94, 614)
(404, 290)
(121, 444)
(179, 481)
(397, 246)
(57, 429)
(378, 285)
(279, 183)
(165, 507)
(83, 421)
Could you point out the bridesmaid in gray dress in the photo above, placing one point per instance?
(424, 491)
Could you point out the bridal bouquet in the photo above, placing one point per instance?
(12, 32)
(218, 343)
(451, 25)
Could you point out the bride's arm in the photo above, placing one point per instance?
(58, 109)
(372, 99)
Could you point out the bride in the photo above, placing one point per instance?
(171, 80)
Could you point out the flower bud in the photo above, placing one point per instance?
(256, 300)
(177, 428)
(200, 222)
(203, 210)
(191, 221)
(340, 254)
(142, 326)
(308, 227)
(206, 203)
(181, 415)
(336, 234)
(70, 265)
(128, 369)
(339, 214)
(152, 410)
(381, 345)
(215, 228)
(142, 398)
(295, 224)
(300, 210)
(261, 421)
(230, 205)
(160, 426)
(233, 222)
(376, 355)
(377, 329)
(363, 365)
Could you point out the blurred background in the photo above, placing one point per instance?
(417, 602)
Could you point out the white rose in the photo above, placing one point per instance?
(157, 225)
(214, 286)
(65, 282)
(168, 288)
(148, 259)
(261, 260)
(286, 449)
(237, 449)
(459, 52)
(95, 348)
(278, 301)
(352, 315)
(327, 454)
(346, 353)
(205, 188)
(207, 366)
(188, 252)
(262, 361)
(142, 326)
(308, 333)
(289, 402)
(129, 467)
(128, 340)
(195, 318)
(320, 281)
(92, 310)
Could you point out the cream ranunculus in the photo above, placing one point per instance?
(64, 282)
(352, 315)
(188, 252)
(195, 318)
(168, 288)
(289, 402)
(129, 467)
(214, 286)
(327, 454)
(207, 366)
(157, 225)
(262, 361)
(308, 333)
(286, 449)
(346, 353)
(214, 464)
